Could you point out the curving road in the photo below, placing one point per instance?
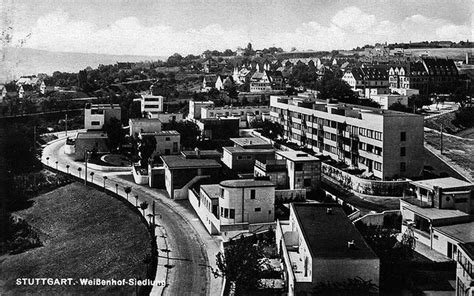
(184, 246)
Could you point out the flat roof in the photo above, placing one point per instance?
(448, 182)
(468, 248)
(240, 150)
(463, 232)
(180, 162)
(297, 156)
(134, 120)
(239, 183)
(250, 141)
(162, 133)
(204, 153)
(113, 106)
(212, 190)
(434, 213)
(327, 235)
(91, 135)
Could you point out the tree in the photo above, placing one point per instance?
(146, 149)
(115, 133)
(189, 132)
(233, 94)
(461, 96)
(144, 206)
(356, 286)
(269, 129)
(418, 101)
(92, 177)
(397, 106)
(127, 190)
(240, 263)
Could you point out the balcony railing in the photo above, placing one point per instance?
(416, 202)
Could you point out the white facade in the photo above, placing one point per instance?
(196, 106)
(144, 125)
(465, 270)
(246, 113)
(385, 143)
(313, 255)
(169, 117)
(387, 100)
(96, 115)
(235, 204)
(152, 105)
(349, 78)
(167, 142)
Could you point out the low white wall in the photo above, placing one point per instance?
(108, 168)
(376, 218)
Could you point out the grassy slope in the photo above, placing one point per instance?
(460, 151)
(86, 234)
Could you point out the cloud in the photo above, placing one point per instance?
(348, 28)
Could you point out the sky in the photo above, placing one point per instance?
(163, 27)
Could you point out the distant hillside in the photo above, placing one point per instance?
(15, 62)
(452, 53)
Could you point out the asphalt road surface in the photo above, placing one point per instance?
(188, 272)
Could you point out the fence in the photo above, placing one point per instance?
(361, 185)
(152, 265)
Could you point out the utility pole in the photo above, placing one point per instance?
(66, 124)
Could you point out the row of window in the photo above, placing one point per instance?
(212, 114)
(240, 157)
(228, 213)
(368, 133)
(152, 106)
(252, 193)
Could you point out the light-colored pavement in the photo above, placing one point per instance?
(186, 251)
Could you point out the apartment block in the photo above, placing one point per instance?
(386, 144)
(97, 115)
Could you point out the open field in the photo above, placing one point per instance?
(85, 234)
(452, 53)
(459, 151)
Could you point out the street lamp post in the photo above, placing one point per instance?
(116, 188)
(92, 177)
(105, 178)
(85, 171)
